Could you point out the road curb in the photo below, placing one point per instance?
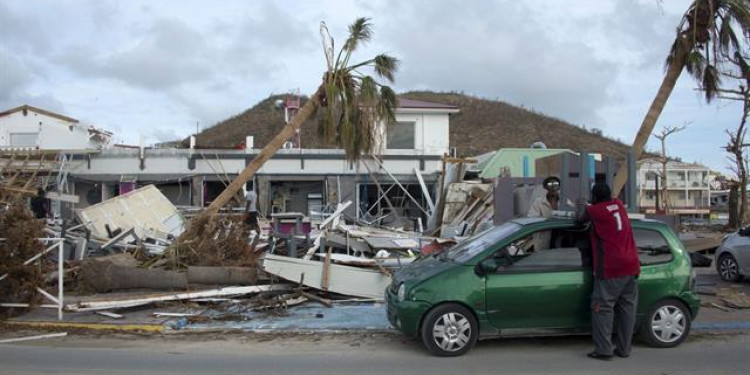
(130, 328)
(722, 326)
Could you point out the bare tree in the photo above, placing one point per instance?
(662, 137)
(736, 147)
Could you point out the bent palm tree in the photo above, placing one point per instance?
(355, 104)
(708, 32)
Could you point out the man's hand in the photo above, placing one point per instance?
(581, 214)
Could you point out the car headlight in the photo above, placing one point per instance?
(401, 294)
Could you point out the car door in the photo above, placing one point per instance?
(742, 253)
(545, 289)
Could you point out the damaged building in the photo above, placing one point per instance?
(308, 181)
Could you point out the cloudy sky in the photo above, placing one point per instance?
(157, 68)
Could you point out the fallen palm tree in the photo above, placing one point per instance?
(356, 106)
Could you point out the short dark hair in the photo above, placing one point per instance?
(600, 192)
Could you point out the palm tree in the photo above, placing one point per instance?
(355, 104)
(708, 32)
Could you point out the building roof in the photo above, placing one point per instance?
(39, 111)
(419, 104)
(672, 164)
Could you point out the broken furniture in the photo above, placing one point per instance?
(288, 226)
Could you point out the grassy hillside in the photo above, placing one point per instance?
(481, 126)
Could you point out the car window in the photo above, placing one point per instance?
(472, 246)
(652, 247)
(562, 250)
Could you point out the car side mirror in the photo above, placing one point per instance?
(489, 265)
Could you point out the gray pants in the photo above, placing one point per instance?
(614, 301)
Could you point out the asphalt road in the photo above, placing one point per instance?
(360, 354)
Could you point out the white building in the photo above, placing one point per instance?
(293, 180)
(31, 128)
(688, 191)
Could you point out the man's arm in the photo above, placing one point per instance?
(582, 214)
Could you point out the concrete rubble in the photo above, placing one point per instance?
(122, 255)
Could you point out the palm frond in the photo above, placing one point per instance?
(386, 108)
(328, 47)
(711, 82)
(328, 124)
(695, 64)
(386, 66)
(359, 32)
(743, 66)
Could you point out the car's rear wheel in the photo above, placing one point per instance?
(668, 324)
(728, 268)
(449, 330)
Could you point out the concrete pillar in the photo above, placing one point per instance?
(264, 194)
(196, 191)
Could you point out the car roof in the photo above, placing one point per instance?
(570, 220)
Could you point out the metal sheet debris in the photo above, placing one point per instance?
(146, 210)
(351, 281)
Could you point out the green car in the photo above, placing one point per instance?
(532, 277)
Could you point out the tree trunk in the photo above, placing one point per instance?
(274, 145)
(647, 126)
(732, 207)
(742, 219)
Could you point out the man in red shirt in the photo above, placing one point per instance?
(616, 268)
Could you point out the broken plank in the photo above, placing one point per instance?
(351, 281)
(315, 298)
(173, 315)
(228, 291)
(335, 214)
(120, 237)
(110, 315)
(37, 337)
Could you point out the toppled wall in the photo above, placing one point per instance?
(145, 209)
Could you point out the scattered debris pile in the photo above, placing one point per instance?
(19, 231)
(137, 250)
(214, 241)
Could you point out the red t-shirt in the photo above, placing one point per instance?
(613, 247)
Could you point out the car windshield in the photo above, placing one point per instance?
(475, 244)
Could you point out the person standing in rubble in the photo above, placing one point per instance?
(40, 205)
(616, 268)
(543, 207)
(251, 210)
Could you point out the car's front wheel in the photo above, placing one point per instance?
(728, 268)
(668, 324)
(449, 330)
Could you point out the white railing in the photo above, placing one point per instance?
(56, 243)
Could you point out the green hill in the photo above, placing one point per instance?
(481, 126)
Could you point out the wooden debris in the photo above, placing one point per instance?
(110, 315)
(352, 281)
(150, 298)
(37, 337)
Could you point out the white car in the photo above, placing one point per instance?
(733, 256)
